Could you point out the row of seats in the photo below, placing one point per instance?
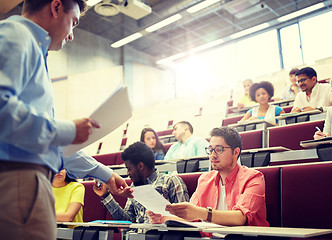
(296, 196)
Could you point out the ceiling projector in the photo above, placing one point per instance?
(132, 8)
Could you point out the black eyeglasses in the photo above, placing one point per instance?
(218, 150)
(302, 80)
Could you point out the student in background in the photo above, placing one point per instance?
(69, 198)
(187, 145)
(291, 91)
(314, 95)
(262, 93)
(140, 164)
(230, 195)
(246, 100)
(327, 126)
(151, 139)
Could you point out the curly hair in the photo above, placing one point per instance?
(263, 84)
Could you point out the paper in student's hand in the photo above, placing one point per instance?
(110, 115)
(151, 199)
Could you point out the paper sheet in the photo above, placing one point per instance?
(151, 199)
(110, 115)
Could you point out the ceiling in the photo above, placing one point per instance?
(217, 21)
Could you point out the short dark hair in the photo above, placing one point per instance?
(230, 135)
(310, 72)
(159, 146)
(33, 6)
(263, 84)
(293, 71)
(139, 152)
(191, 129)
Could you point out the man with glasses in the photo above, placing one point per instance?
(314, 95)
(230, 194)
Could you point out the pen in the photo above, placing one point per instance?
(318, 129)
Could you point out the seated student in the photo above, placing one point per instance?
(69, 198)
(230, 195)
(150, 138)
(246, 100)
(139, 161)
(262, 92)
(187, 145)
(291, 91)
(314, 95)
(327, 126)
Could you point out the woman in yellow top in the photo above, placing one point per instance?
(69, 198)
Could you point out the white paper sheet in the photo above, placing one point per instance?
(110, 115)
(151, 199)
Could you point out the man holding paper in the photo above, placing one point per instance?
(139, 160)
(229, 195)
(31, 138)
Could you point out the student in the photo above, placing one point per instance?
(246, 100)
(314, 95)
(262, 92)
(187, 145)
(291, 91)
(230, 195)
(327, 126)
(31, 137)
(139, 161)
(150, 138)
(69, 198)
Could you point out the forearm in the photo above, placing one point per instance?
(64, 217)
(228, 218)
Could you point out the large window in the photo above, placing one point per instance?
(291, 46)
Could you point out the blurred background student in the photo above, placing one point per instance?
(262, 93)
(327, 126)
(69, 198)
(246, 100)
(150, 138)
(291, 91)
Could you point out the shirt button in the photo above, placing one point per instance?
(39, 43)
(47, 38)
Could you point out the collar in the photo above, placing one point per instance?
(187, 141)
(230, 178)
(41, 35)
(150, 179)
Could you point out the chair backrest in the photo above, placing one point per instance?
(251, 139)
(190, 179)
(106, 159)
(93, 209)
(272, 195)
(231, 120)
(307, 196)
(290, 136)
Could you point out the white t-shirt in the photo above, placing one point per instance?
(222, 204)
(321, 96)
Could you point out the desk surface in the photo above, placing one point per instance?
(269, 149)
(270, 231)
(97, 224)
(315, 143)
(295, 114)
(247, 122)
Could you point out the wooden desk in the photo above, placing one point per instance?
(271, 231)
(283, 103)
(260, 124)
(285, 118)
(251, 158)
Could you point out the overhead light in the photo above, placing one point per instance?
(249, 31)
(301, 12)
(201, 6)
(91, 3)
(163, 23)
(171, 58)
(126, 40)
(207, 46)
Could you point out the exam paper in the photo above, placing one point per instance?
(110, 115)
(151, 199)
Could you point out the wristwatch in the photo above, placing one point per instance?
(209, 216)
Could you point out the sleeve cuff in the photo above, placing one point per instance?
(66, 132)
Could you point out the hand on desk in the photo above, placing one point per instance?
(320, 135)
